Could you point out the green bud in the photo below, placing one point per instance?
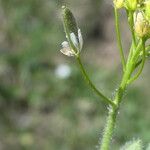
(70, 24)
(131, 4)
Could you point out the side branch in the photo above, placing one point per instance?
(118, 34)
(142, 65)
(104, 98)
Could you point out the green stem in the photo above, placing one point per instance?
(114, 105)
(104, 98)
(131, 23)
(108, 131)
(119, 38)
(142, 65)
(111, 121)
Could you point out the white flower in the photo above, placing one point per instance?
(66, 50)
(80, 39)
(77, 42)
(74, 40)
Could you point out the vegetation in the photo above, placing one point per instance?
(138, 16)
(40, 108)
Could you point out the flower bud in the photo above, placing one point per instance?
(141, 25)
(131, 4)
(118, 3)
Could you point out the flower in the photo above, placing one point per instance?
(77, 43)
(74, 43)
(141, 25)
(118, 3)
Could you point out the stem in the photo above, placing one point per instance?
(131, 23)
(127, 68)
(119, 38)
(111, 121)
(147, 54)
(108, 131)
(142, 65)
(104, 98)
(137, 51)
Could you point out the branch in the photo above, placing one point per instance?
(142, 65)
(104, 98)
(119, 39)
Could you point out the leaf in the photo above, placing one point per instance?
(133, 145)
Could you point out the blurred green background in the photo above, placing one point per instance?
(44, 102)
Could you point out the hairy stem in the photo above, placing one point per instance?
(108, 131)
(111, 120)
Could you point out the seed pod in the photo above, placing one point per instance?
(73, 34)
(70, 24)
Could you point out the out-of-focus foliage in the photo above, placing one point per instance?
(43, 106)
(133, 145)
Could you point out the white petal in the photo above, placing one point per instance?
(74, 40)
(80, 38)
(140, 17)
(65, 44)
(67, 52)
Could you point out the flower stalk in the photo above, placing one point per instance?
(119, 38)
(102, 96)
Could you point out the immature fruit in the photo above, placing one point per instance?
(70, 24)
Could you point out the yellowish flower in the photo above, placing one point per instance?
(141, 25)
(118, 3)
